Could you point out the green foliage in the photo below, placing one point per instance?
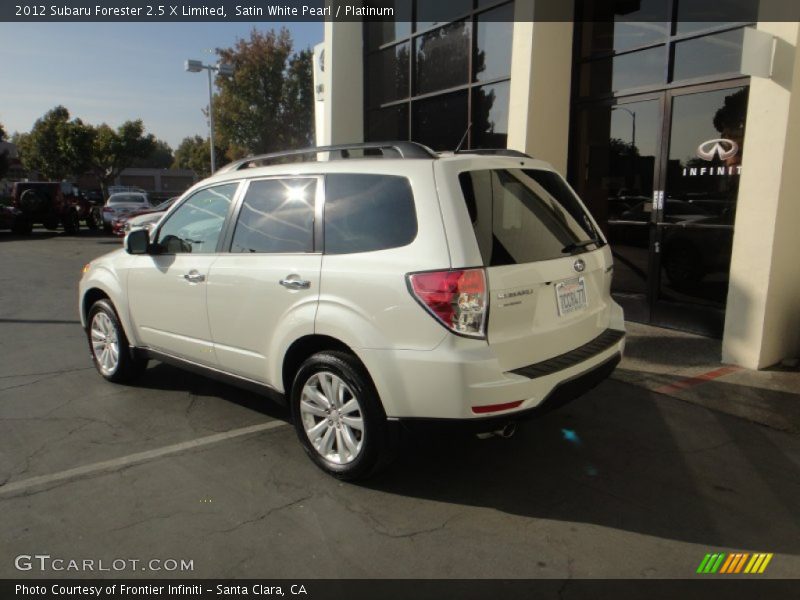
(56, 147)
(4, 162)
(267, 104)
(195, 153)
(115, 150)
(160, 158)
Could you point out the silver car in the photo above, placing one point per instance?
(121, 204)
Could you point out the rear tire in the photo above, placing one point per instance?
(94, 219)
(339, 419)
(111, 353)
(22, 226)
(72, 223)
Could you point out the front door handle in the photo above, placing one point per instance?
(194, 276)
(293, 282)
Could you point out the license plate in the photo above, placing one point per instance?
(571, 295)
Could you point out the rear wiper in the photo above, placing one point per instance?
(581, 245)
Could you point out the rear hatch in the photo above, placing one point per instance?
(545, 264)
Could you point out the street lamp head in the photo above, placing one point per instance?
(225, 69)
(193, 66)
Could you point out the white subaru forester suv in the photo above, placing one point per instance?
(374, 286)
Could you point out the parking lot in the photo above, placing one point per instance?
(625, 482)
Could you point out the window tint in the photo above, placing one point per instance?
(197, 223)
(277, 216)
(516, 219)
(368, 212)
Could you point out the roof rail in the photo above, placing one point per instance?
(338, 151)
(496, 152)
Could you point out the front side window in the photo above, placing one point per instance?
(196, 225)
(524, 215)
(277, 216)
(365, 213)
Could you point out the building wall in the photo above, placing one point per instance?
(541, 75)
(762, 323)
(343, 81)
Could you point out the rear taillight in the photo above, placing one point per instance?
(456, 298)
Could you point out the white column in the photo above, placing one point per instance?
(344, 83)
(541, 74)
(762, 322)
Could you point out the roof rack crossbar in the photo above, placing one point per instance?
(398, 149)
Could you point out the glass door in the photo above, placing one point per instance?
(694, 214)
(617, 163)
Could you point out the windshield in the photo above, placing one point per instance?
(525, 215)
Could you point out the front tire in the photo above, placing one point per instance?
(338, 417)
(110, 350)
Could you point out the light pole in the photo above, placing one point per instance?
(195, 66)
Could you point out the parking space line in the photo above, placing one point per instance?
(131, 459)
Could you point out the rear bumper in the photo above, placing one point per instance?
(562, 394)
(462, 380)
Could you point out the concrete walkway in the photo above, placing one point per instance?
(688, 367)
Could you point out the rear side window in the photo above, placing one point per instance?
(364, 213)
(522, 216)
(277, 216)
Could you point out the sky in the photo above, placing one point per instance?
(110, 73)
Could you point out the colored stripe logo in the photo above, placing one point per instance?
(736, 562)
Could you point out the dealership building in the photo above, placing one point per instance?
(679, 129)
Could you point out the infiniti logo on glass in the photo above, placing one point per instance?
(721, 147)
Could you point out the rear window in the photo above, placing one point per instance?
(364, 213)
(524, 215)
(120, 198)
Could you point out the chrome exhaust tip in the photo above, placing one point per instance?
(508, 430)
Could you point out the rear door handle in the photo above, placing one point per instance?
(293, 282)
(194, 276)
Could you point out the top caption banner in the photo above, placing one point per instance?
(738, 11)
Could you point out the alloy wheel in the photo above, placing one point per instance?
(332, 418)
(105, 343)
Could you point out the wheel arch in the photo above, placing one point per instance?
(308, 345)
(91, 296)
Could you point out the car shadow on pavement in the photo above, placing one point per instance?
(161, 376)
(620, 457)
(625, 458)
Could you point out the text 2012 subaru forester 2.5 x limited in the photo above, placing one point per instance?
(373, 284)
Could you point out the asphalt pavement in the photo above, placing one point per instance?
(627, 481)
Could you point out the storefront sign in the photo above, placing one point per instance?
(719, 148)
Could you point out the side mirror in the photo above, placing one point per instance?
(137, 241)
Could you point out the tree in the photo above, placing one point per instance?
(56, 147)
(4, 162)
(113, 151)
(194, 153)
(267, 104)
(161, 157)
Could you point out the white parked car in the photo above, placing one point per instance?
(372, 292)
(121, 204)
